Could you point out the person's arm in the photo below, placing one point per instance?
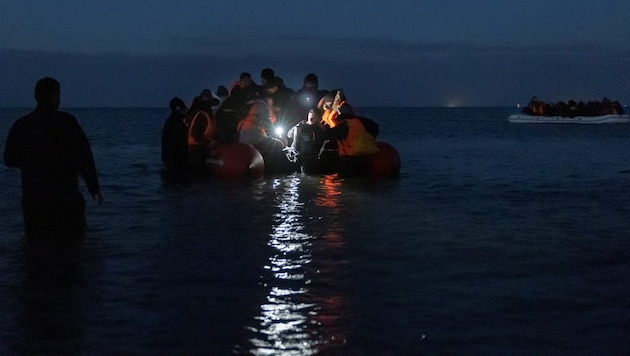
(86, 165)
(98, 197)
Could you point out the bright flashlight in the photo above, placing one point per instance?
(279, 131)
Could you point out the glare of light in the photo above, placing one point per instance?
(285, 319)
(279, 131)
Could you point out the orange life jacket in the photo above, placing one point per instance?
(194, 139)
(250, 128)
(328, 118)
(358, 142)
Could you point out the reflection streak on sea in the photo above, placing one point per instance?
(289, 322)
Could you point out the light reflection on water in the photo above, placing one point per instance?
(289, 322)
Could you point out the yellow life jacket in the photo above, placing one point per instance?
(358, 142)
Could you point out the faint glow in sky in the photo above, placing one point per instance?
(455, 101)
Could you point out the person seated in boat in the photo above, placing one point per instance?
(266, 76)
(561, 109)
(231, 110)
(572, 108)
(201, 130)
(582, 109)
(244, 82)
(330, 104)
(608, 107)
(175, 137)
(222, 94)
(356, 140)
(531, 107)
(255, 128)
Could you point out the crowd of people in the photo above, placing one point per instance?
(51, 149)
(573, 108)
(320, 123)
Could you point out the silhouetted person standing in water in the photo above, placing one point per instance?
(51, 150)
(175, 138)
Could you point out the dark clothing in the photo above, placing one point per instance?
(285, 108)
(175, 142)
(62, 217)
(306, 99)
(51, 149)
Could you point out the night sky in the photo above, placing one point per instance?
(393, 53)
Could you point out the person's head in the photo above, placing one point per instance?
(325, 103)
(267, 75)
(206, 94)
(331, 100)
(177, 105)
(345, 110)
(311, 81)
(272, 85)
(310, 117)
(222, 91)
(208, 99)
(47, 91)
(245, 80)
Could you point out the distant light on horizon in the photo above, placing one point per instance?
(455, 102)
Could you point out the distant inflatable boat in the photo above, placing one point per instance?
(602, 119)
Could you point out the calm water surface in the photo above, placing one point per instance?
(496, 238)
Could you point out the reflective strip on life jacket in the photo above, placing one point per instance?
(329, 117)
(208, 133)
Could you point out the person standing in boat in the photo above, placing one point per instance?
(175, 137)
(328, 105)
(201, 130)
(307, 97)
(234, 108)
(280, 98)
(51, 150)
(266, 76)
(244, 83)
(303, 139)
(253, 130)
(222, 94)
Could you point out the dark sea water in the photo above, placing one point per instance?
(497, 238)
